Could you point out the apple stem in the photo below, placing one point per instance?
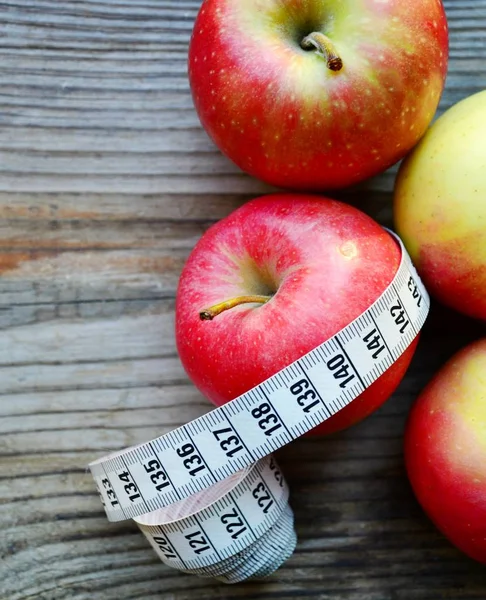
(324, 48)
(213, 311)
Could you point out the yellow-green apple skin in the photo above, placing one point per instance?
(445, 449)
(440, 206)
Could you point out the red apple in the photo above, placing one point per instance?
(315, 94)
(280, 275)
(445, 450)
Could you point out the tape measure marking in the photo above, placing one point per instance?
(220, 443)
(216, 532)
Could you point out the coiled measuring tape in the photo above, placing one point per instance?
(209, 496)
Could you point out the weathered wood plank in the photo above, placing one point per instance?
(106, 182)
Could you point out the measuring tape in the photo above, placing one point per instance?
(208, 496)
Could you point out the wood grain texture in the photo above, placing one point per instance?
(106, 182)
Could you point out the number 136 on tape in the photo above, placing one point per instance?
(209, 496)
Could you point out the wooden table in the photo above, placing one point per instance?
(107, 180)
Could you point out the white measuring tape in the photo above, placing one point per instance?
(208, 497)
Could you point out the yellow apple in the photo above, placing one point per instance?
(440, 206)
